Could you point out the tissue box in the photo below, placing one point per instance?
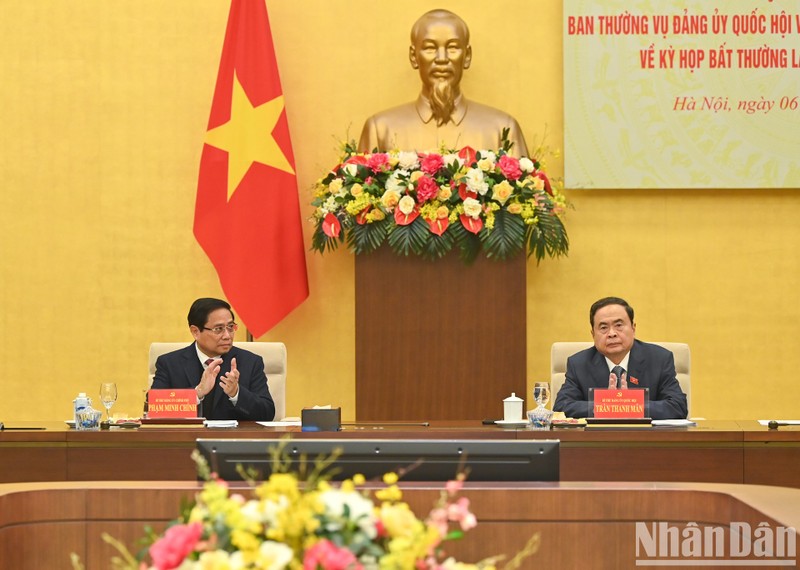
(321, 419)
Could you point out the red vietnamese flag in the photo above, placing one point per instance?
(247, 213)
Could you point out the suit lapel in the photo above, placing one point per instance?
(635, 364)
(192, 368)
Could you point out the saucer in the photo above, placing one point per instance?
(512, 423)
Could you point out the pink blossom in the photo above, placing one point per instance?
(459, 512)
(454, 486)
(509, 166)
(438, 520)
(431, 163)
(169, 551)
(426, 189)
(328, 556)
(378, 162)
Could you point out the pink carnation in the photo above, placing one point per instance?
(378, 162)
(509, 166)
(431, 163)
(426, 189)
(171, 550)
(328, 556)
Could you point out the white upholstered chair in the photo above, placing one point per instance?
(273, 353)
(563, 350)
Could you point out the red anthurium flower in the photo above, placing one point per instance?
(438, 225)
(546, 180)
(471, 224)
(463, 193)
(361, 218)
(357, 159)
(633, 380)
(331, 226)
(402, 219)
(469, 155)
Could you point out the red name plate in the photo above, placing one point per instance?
(619, 403)
(171, 403)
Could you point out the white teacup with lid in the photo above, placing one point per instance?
(512, 408)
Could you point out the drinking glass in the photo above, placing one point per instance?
(540, 417)
(541, 393)
(108, 395)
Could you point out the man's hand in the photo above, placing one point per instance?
(208, 378)
(623, 381)
(230, 382)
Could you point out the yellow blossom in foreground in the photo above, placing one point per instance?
(335, 186)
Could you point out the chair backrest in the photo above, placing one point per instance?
(563, 350)
(273, 353)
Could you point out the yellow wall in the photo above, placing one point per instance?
(103, 108)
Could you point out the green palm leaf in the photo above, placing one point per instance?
(409, 239)
(367, 237)
(507, 237)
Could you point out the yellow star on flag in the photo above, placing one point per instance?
(247, 136)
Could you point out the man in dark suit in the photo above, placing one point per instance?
(230, 382)
(618, 360)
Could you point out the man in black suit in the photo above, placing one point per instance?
(230, 382)
(618, 360)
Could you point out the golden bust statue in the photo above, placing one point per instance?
(441, 115)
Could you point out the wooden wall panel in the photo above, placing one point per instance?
(438, 340)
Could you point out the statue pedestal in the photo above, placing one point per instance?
(438, 340)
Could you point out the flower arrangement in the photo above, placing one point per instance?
(308, 523)
(430, 203)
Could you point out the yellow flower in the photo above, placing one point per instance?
(444, 192)
(390, 199)
(389, 494)
(502, 191)
(515, 208)
(376, 215)
(335, 186)
(356, 189)
(416, 175)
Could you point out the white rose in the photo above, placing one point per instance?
(475, 181)
(406, 204)
(394, 184)
(472, 208)
(408, 160)
(450, 158)
(351, 169)
(526, 164)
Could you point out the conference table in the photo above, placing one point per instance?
(714, 451)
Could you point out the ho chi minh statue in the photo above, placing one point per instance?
(441, 115)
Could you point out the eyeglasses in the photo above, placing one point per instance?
(218, 330)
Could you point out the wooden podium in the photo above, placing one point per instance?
(438, 340)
